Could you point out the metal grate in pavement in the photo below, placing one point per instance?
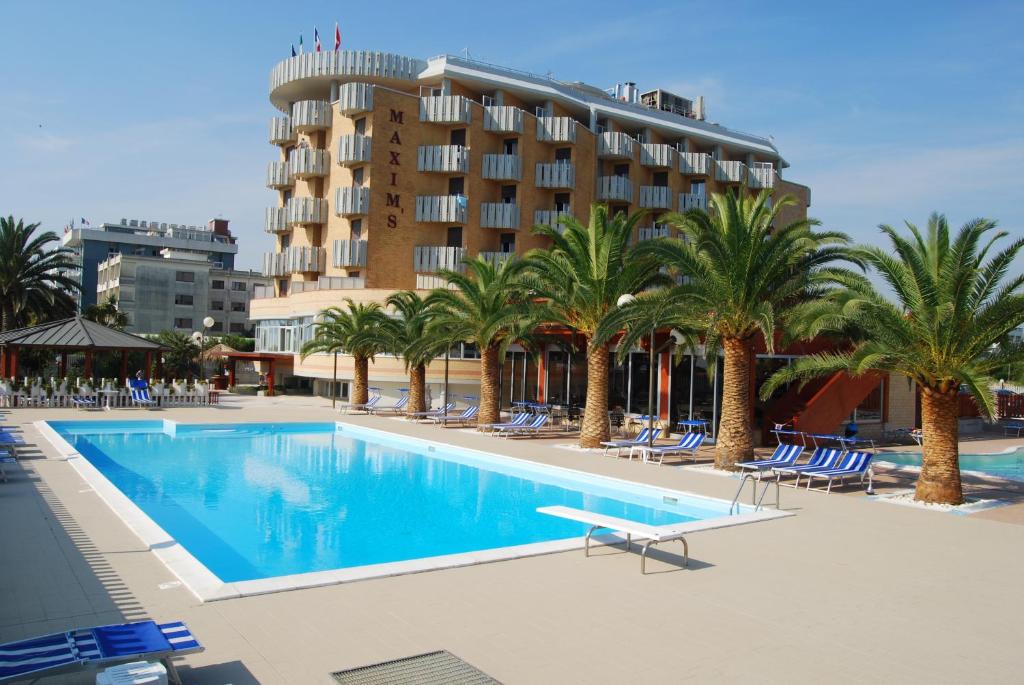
(433, 668)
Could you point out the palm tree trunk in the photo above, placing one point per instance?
(733, 442)
(7, 315)
(490, 410)
(360, 380)
(939, 482)
(417, 388)
(594, 429)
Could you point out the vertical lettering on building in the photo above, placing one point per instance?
(394, 200)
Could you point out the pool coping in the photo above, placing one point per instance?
(208, 587)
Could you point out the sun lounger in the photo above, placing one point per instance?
(517, 420)
(94, 647)
(822, 459)
(83, 401)
(784, 455)
(361, 406)
(4, 460)
(396, 407)
(688, 444)
(9, 442)
(430, 413)
(640, 439)
(1008, 426)
(468, 414)
(853, 465)
(141, 398)
(532, 427)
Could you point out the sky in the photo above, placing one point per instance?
(888, 111)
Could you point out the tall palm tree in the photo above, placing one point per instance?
(360, 329)
(408, 339)
(582, 276)
(947, 329)
(33, 275)
(488, 305)
(107, 314)
(744, 275)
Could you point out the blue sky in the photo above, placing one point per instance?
(160, 111)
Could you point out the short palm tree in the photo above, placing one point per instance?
(582, 276)
(107, 314)
(33, 275)
(181, 357)
(408, 339)
(489, 306)
(359, 329)
(947, 330)
(743, 277)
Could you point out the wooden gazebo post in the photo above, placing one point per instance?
(149, 365)
(88, 364)
(124, 366)
(63, 364)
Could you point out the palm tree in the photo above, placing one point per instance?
(409, 340)
(582, 276)
(358, 330)
(181, 358)
(488, 305)
(743, 277)
(947, 329)
(33, 275)
(107, 314)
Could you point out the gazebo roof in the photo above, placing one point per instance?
(76, 334)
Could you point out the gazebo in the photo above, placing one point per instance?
(75, 335)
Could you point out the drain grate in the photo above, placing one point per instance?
(433, 668)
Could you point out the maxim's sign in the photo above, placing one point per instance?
(393, 200)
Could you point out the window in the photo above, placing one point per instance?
(508, 194)
(238, 286)
(487, 100)
(217, 327)
(356, 228)
(353, 274)
(287, 195)
(184, 276)
(561, 202)
(458, 137)
(661, 179)
(621, 170)
(454, 236)
(510, 146)
(563, 154)
(216, 285)
(282, 287)
(183, 299)
(357, 177)
(871, 408)
(361, 126)
(456, 185)
(698, 188)
(183, 323)
(508, 242)
(238, 328)
(238, 306)
(286, 240)
(217, 305)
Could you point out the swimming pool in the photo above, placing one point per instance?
(1003, 465)
(252, 503)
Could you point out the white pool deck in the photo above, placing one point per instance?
(847, 590)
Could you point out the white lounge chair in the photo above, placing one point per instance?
(532, 427)
(689, 443)
(822, 459)
(640, 439)
(141, 398)
(854, 465)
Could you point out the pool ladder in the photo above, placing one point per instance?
(755, 499)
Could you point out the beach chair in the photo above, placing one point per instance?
(10, 443)
(854, 465)
(1011, 425)
(430, 413)
(689, 443)
(640, 439)
(467, 415)
(362, 406)
(784, 456)
(95, 647)
(517, 420)
(141, 398)
(83, 401)
(822, 459)
(395, 408)
(533, 427)
(4, 460)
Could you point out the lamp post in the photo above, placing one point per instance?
(200, 338)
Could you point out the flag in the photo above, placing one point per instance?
(337, 37)
(300, 44)
(84, 222)
(316, 38)
(293, 49)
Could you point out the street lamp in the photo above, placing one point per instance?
(200, 338)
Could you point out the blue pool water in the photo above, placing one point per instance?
(254, 501)
(1007, 465)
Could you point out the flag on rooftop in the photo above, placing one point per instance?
(316, 38)
(293, 49)
(300, 44)
(84, 222)
(337, 37)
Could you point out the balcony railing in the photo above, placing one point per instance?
(729, 171)
(281, 131)
(614, 145)
(308, 162)
(499, 215)
(449, 209)
(692, 201)
(503, 167)
(503, 119)
(448, 159)
(550, 217)
(446, 109)
(614, 188)
(556, 129)
(652, 232)
(557, 175)
(695, 163)
(274, 221)
(278, 176)
(306, 210)
(353, 149)
(428, 259)
(497, 258)
(657, 155)
(311, 115)
(761, 176)
(351, 200)
(655, 197)
(349, 253)
(355, 98)
(293, 260)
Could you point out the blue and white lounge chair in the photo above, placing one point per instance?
(84, 401)
(141, 398)
(784, 456)
(362, 406)
(431, 413)
(822, 459)
(9, 442)
(517, 420)
(94, 647)
(854, 465)
(396, 407)
(689, 443)
(640, 439)
(533, 427)
(467, 415)
(4, 460)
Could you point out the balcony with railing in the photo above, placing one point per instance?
(655, 197)
(615, 188)
(445, 159)
(730, 171)
(497, 258)
(448, 209)
(274, 221)
(348, 253)
(428, 259)
(355, 98)
(556, 175)
(446, 109)
(692, 201)
(761, 175)
(499, 215)
(293, 260)
(503, 167)
(351, 200)
(550, 217)
(503, 119)
(306, 210)
(281, 131)
(278, 176)
(556, 129)
(694, 163)
(657, 155)
(652, 232)
(307, 162)
(311, 115)
(614, 145)
(353, 149)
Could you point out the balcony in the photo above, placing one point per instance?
(311, 115)
(278, 176)
(351, 200)
(281, 131)
(692, 201)
(293, 260)
(761, 176)
(274, 222)
(497, 258)
(556, 129)
(503, 119)
(355, 98)
(445, 159)
(730, 172)
(306, 210)
(655, 197)
(550, 217)
(694, 163)
(615, 188)
(446, 209)
(614, 145)
(445, 109)
(652, 232)
(349, 253)
(499, 215)
(503, 167)
(353, 149)
(657, 155)
(429, 259)
(308, 163)
(557, 175)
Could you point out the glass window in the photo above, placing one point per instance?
(661, 179)
(238, 306)
(183, 323)
(458, 137)
(456, 185)
(238, 328)
(510, 146)
(217, 285)
(558, 377)
(238, 286)
(698, 188)
(356, 228)
(361, 126)
(217, 305)
(563, 154)
(183, 299)
(870, 410)
(454, 237)
(184, 276)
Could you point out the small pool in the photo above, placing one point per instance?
(1004, 465)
